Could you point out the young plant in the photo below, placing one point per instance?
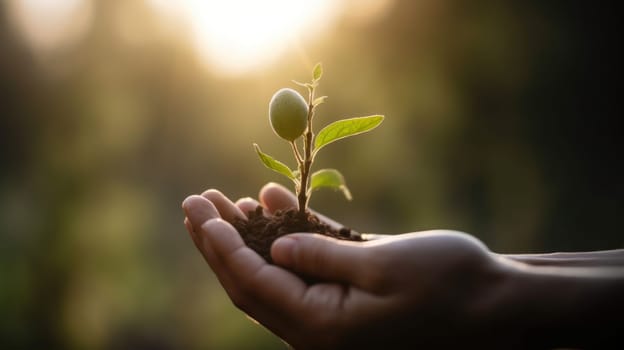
(291, 118)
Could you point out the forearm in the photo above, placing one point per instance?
(545, 307)
(603, 258)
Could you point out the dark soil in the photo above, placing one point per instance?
(260, 231)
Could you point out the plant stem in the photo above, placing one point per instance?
(307, 158)
(296, 153)
(299, 159)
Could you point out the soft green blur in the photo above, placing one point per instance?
(485, 132)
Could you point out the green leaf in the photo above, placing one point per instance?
(317, 72)
(319, 100)
(305, 85)
(330, 178)
(274, 164)
(345, 128)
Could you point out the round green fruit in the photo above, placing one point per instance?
(288, 112)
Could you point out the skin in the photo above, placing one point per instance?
(439, 289)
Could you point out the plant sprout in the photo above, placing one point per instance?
(291, 118)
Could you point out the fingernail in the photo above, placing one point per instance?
(185, 203)
(283, 250)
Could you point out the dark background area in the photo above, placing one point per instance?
(502, 120)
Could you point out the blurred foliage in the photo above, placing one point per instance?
(501, 122)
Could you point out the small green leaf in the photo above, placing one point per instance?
(274, 164)
(319, 100)
(331, 178)
(345, 128)
(317, 72)
(305, 85)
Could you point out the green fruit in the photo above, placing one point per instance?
(288, 112)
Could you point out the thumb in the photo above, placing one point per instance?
(322, 257)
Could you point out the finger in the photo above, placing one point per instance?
(275, 197)
(247, 267)
(194, 205)
(226, 208)
(199, 210)
(247, 205)
(326, 258)
(206, 253)
(189, 228)
(268, 293)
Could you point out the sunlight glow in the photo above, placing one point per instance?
(238, 35)
(233, 36)
(49, 25)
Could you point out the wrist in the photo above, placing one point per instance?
(532, 307)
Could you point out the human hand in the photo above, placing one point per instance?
(413, 289)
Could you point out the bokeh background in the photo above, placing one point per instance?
(502, 120)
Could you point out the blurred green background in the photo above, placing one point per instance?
(500, 122)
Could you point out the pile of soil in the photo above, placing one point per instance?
(259, 231)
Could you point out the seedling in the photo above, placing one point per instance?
(291, 118)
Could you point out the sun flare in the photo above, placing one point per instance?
(233, 36)
(238, 35)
